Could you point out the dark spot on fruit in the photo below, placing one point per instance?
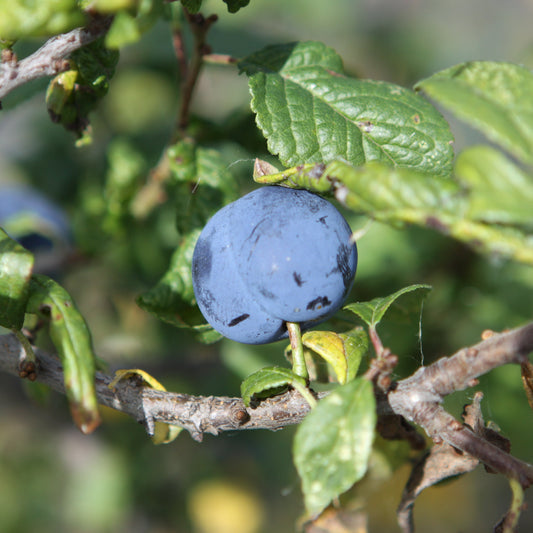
(267, 294)
(314, 207)
(318, 303)
(257, 230)
(322, 220)
(238, 319)
(203, 261)
(343, 264)
(298, 279)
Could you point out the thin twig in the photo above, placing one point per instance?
(199, 27)
(50, 59)
(153, 192)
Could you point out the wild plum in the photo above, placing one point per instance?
(276, 255)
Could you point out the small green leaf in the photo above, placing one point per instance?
(192, 6)
(235, 5)
(333, 444)
(201, 184)
(60, 91)
(16, 265)
(22, 18)
(172, 298)
(128, 27)
(124, 30)
(73, 94)
(493, 97)
(270, 379)
(310, 111)
(176, 285)
(109, 6)
(126, 169)
(342, 351)
(372, 312)
(72, 340)
(500, 192)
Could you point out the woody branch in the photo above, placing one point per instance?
(51, 58)
(417, 398)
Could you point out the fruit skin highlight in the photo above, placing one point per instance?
(276, 255)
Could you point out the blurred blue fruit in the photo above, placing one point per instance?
(276, 255)
(36, 223)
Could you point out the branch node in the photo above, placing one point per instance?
(456, 425)
(28, 370)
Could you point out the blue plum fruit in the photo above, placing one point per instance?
(276, 255)
(38, 224)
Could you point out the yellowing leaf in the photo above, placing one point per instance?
(331, 348)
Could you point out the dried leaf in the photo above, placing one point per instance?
(439, 463)
(338, 521)
(527, 381)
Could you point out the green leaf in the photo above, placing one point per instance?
(493, 97)
(235, 5)
(270, 379)
(26, 18)
(128, 27)
(355, 347)
(201, 184)
(72, 340)
(109, 6)
(399, 195)
(16, 265)
(333, 443)
(127, 168)
(372, 312)
(192, 6)
(310, 111)
(342, 351)
(73, 94)
(172, 298)
(59, 93)
(123, 31)
(500, 192)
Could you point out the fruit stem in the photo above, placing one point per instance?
(298, 360)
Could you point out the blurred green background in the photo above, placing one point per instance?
(52, 478)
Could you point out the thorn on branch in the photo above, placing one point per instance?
(8, 56)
